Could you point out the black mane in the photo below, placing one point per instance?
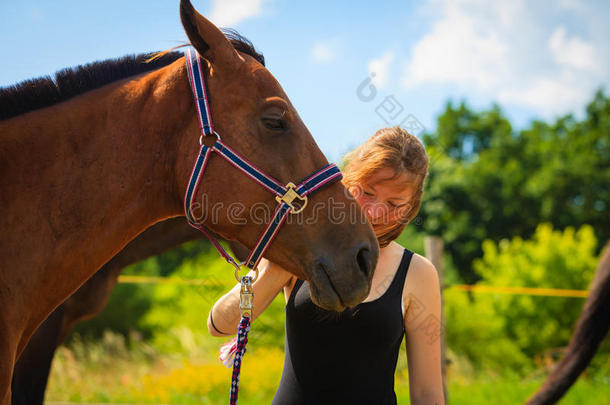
(243, 45)
(45, 91)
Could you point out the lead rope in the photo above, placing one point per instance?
(242, 339)
(246, 306)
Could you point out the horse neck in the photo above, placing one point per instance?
(85, 176)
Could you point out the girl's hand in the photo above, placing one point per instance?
(224, 316)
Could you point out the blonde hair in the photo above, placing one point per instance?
(396, 149)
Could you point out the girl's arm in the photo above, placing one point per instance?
(224, 316)
(423, 328)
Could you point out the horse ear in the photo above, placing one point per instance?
(207, 39)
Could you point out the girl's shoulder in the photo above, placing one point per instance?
(421, 275)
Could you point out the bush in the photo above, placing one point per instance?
(502, 330)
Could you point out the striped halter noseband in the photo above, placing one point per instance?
(286, 195)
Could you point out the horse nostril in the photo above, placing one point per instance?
(363, 258)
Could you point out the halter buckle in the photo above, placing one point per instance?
(290, 196)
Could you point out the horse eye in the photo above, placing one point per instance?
(274, 124)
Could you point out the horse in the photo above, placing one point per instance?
(591, 328)
(92, 159)
(32, 369)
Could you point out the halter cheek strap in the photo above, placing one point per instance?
(285, 195)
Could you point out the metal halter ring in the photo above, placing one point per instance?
(201, 137)
(290, 196)
(238, 268)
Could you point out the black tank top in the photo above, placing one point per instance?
(342, 358)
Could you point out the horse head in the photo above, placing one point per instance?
(331, 246)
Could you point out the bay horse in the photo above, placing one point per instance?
(33, 366)
(101, 156)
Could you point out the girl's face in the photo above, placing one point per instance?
(384, 200)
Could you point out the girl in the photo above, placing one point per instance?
(350, 357)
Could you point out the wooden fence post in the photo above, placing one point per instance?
(433, 246)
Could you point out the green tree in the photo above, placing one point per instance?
(489, 182)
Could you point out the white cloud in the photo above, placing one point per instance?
(510, 53)
(379, 68)
(560, 92)
(546, 95)
(572, 53)
(457, 51)
(226, 13)
(325, 51)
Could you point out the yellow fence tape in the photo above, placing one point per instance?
(548, 292)
(475, 288)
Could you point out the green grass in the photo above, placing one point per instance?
(111, 371)
(510, 391)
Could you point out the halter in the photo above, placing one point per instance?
(285, 195)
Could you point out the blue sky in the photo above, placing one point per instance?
(535, 59)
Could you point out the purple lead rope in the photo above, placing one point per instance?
(242, 339)
(246, 307)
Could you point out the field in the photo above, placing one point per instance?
(151, 346)
(109, 372)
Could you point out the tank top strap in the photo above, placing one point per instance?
(401, 273)
(295, 289)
